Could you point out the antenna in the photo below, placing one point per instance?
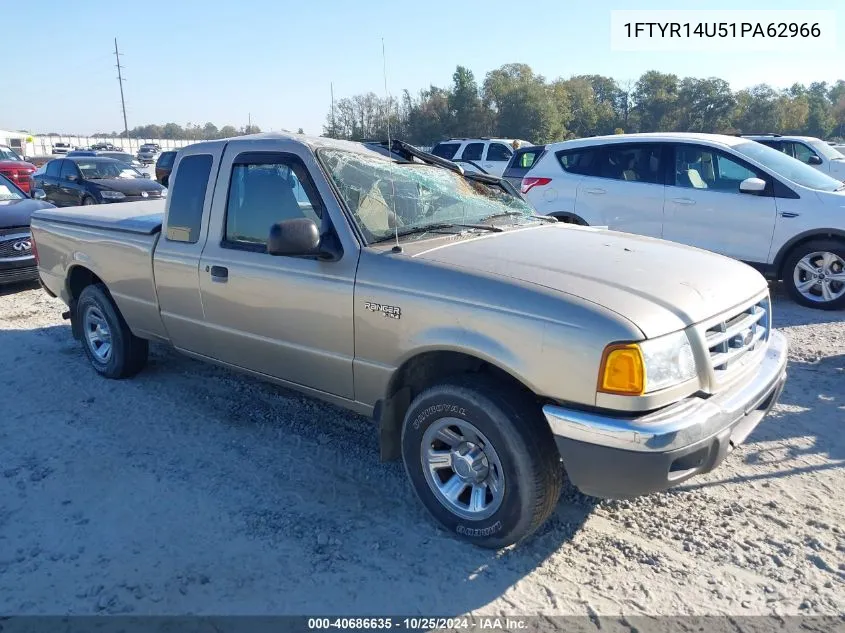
(396, 247)
(120, 81)
(334, 129)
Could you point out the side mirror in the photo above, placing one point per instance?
(39, 194)
(297, 237)
(814, 160)
(752, 185)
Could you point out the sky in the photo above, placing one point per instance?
(189, 61)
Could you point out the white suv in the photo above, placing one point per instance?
(486, 155)
(726, 194)
(813, 151)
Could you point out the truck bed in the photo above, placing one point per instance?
(144, 218)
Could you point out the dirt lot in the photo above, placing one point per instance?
(190, 489)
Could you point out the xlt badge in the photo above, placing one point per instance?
(392, 312)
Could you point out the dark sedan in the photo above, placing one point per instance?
(83, 180)
(17, 262)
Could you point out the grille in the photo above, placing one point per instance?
(7, 246)
(732, 342)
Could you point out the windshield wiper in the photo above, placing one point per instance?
(508, 214)
(414, 230)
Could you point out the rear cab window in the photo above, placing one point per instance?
(446, 150)
(187, 198)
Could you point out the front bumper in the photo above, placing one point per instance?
(621, 457)
(17, 270)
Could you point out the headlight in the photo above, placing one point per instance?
(164, 193)
(112, 195)
(633, 369)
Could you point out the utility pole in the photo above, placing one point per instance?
(249, 122)
(120, 82)
(331, 88)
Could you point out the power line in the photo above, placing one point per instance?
(120, 81)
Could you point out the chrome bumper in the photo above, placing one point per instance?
(611, 456)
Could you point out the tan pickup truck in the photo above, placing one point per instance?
(496, 350)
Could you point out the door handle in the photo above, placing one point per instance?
(685, 201)
(594, 191)
(219, 273)
(787, 214)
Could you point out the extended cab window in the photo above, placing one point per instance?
(262, 194)
(187, 198)
(706, 168)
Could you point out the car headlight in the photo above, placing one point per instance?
(164, 193)
(634, 369)
(112, 195)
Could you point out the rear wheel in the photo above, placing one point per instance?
(109, 344)
(482, 460)
(814, 274)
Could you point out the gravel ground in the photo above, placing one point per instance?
(190, 489)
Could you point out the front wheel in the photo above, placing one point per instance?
(482, 460)
(88, 200)
(814, 274)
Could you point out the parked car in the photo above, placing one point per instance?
(129, 159)
(84, 180)
(164, 165)
(61, 148)
(486, 155)
(725, 194)
(17, 262)
(147, 153)
(812, 151)
(488, 343)
(105, 147)
(16, 168)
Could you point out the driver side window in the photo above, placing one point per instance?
(263, 194)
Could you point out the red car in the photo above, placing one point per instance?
(16, 169)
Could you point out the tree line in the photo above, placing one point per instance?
(514, 102)
(191, 132)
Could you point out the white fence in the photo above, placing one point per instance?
(43, 145)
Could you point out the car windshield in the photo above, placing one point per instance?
(8, 191)
(788, 167)
(823, 149)
(377, 190)
(97, 169)
(7, 153)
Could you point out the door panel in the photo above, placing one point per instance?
(286, 317)
(624, 190)
(705, 208)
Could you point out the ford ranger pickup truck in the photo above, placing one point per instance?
(498, 351)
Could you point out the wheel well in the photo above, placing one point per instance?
(569, 218)
(783, 254)
(413, 377)
(78, 279)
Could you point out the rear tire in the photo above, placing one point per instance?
(814, 274)
(482, 460)
(109, 344)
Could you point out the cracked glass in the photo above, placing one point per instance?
(385, 196)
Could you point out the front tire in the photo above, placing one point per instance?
(88, 200)
(109, 344)
(814, 274)
(482, 460)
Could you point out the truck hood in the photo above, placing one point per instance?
(659, 286)
(18, 212)
(16, 164)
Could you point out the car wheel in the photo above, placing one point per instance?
(88, 200)
(814, 274)
(109, 344)
(482, 460)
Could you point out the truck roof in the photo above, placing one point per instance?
(312, 142)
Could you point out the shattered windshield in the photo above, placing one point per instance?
(385, 196)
